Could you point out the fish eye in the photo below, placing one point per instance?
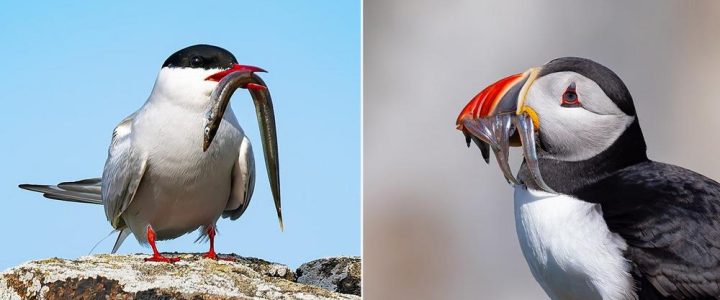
(196, 61)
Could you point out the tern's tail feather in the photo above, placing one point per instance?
(83, 191)
(120, 239)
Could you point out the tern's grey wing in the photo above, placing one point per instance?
(243, 182)
(123, 171)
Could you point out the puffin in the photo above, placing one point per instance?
(595, 217)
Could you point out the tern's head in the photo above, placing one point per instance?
(194, 71)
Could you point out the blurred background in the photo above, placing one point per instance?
(438, 222)
(72, 70)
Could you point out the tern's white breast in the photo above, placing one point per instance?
(184, 187)
(569, 248)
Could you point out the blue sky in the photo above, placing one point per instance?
(70, 72)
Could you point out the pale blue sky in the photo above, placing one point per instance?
(71, 72)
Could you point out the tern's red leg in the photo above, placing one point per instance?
(156, 255)
(211, 253)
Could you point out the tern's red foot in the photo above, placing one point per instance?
(211, 253)
(160, 258)
(156, 255)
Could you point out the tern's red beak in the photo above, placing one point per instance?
(235, 68)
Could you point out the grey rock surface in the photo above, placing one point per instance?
(108, 276)
(339, 274)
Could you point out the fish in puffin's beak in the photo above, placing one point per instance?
(497, 118)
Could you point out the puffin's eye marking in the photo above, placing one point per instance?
(570, 97)
(196, 61)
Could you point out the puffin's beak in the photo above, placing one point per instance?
(497, 118)
(240, 76)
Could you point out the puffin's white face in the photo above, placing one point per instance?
(577, 120)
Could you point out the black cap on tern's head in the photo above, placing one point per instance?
(207, 57)
(196, 70)
(201, 56)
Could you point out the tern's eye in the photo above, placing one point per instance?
(570, 97)
(196, 61)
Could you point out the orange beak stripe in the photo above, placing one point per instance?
(484, 103)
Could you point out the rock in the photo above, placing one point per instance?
(108, 276)
(339, 274)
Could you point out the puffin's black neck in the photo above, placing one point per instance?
(569, 177)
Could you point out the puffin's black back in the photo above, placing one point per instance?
(670, 218)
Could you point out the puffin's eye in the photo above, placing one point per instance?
(196, 61)
(570, 97)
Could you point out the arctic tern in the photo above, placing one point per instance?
(182, 161)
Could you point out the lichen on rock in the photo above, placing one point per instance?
(339, 274)
(108, 276)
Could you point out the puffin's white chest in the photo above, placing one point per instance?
(569, 248)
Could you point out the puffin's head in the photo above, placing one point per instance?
(571, 109)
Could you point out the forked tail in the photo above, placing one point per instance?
(83, 191)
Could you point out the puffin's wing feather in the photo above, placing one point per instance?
(670, 218)
(123, 172)
(243, 182)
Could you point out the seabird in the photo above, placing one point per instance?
(182, 161)
(595, 218)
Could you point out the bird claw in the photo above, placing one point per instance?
(212, 255)
(160, 258)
